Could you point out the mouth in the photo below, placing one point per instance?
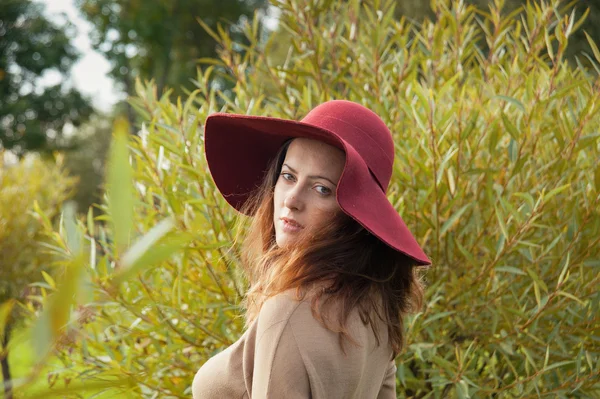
(292, 225)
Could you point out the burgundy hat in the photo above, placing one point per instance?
(239, 149)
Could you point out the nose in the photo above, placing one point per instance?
(293, 199)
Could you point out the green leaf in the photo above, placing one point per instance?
(587, 140)
(437, 316)
(538, 295)
(452, 219)
(209, 30)
(548, 44)
(84, 388)
(501, 222)
(48, 279)
(189, 102)
(210, 61)
(90, 221)
(564, 270)
(145, 242)
(149, 253)
(557, 190)
(511, 100)
(470, 126)
(401, 374)
(465, 253)
(558, 364)
(529, 358)
(581, 19)
(39, 213)
(169, 146)
(120, 185)
(593, 46)
(534, 276)
(527, 197)
(512, 130)
(462, 390)
(449, 367)
(511, 209)
(570, 296)
(512, 150)
(171, 129)
(510, 269)
(73, 235)
(50, 325)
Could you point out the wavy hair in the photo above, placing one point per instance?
(354, 268)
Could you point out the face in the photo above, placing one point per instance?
(304, 196)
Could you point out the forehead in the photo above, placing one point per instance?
(313, 156)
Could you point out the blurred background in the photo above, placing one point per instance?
(67, 71)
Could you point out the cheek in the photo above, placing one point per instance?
(277, 196)
(324, 213)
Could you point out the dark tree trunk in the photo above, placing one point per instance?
(4, 363)
(130, 90)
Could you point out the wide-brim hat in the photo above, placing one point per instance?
(239, 149)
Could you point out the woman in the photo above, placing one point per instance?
(331, 264)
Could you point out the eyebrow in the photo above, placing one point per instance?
(311, 177)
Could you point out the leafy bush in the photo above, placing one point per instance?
(22, 185)
(496, 175)
(24, 189)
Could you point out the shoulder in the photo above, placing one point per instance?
(287, 308)
(285, 316)
(277, 310)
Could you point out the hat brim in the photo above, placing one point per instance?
(243, 145)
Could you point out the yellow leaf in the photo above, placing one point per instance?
(593, 46)
(49, 279)
(120, 184)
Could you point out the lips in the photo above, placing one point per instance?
(292, 223)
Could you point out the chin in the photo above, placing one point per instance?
(281, 242)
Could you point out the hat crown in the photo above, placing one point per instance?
(363, 130)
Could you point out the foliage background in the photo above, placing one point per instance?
(32, 117)
(160, 39)
(24, 195)
(496, 174)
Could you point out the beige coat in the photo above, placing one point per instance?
(287, 353)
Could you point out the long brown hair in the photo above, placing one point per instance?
(360, 270)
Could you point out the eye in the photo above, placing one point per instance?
(287, 176)
(324, 190)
